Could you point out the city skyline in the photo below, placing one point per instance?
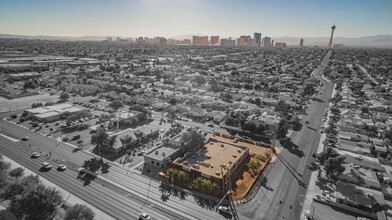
(174, 17)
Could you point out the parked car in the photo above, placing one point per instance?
(25, 138)
(141, 153)
(224, 209)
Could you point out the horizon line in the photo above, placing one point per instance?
(122, 36)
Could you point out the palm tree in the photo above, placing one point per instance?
(183, 177)
(172, 173)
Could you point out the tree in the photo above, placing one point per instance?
(171, 173)
(64, 96)
(16, 173)
(200, 79)
(79, 212)
(16, 188)
(29, 85)
(4, 167)
(253, 164)
(205, 185)
(182, 177)
(258, 101)
(191, 140)
(226, 96)
(37, 203)
(99, 139)
(282, 107)
(308, 90)
(116, 104)
(171, 115)
(334, 166)
(268, 154)
(172, 100)
(30, 199)
(329, 152)
(365, 109)
(282, 129)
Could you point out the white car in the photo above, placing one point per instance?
(61, 167)
(144, 216)
(35, 155)
(224, 209)
(46, 165)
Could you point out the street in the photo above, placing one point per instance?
(120, 200)
(288, 180)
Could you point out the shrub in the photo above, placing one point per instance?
(14, 116)
(65, 139)
(49, 103)
(82, 127)
(22, 119)
(36, 105)
(75, 137)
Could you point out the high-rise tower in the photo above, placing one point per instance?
(330, 45)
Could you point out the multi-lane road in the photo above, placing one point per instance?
(131, 192)
(289, 177)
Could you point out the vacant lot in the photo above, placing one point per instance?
(25, 102)
(247, 179)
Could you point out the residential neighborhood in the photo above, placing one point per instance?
(156, 128)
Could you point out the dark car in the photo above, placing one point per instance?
(25, 138)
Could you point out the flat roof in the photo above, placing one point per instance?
(47, 114)
(39, 110)
(59, 107)
(161, 153)
(72, 109)
(253, 148)
(214, 153)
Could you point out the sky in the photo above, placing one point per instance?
(169, 18)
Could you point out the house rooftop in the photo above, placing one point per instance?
(347, 191)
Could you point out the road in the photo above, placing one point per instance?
(285, 198)
(121, 200)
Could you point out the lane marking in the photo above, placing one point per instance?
(10, 138)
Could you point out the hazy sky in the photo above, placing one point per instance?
(168, 18)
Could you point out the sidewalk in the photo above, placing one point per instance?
(67, 196)
(312, 188)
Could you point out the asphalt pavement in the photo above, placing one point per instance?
(131, 193)
(289, 177)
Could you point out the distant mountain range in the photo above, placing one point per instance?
(59, 38)
(374, 41)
